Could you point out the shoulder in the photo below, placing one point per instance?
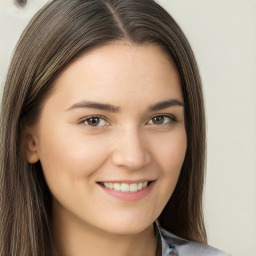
(184, 247)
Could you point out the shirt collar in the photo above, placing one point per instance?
(162, 249)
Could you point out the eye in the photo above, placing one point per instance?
(20, 3)
(162, 119)
(95, 121)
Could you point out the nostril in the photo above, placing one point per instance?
(20, 3)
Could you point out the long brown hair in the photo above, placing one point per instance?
(60, 32)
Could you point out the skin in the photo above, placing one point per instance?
(125, 143)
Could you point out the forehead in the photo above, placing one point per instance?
(120, 70)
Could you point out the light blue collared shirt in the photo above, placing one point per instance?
(172, 245)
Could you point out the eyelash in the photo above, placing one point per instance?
(102, 118)
(165, 116)
(83, 121)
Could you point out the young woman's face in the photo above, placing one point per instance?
(111, 138)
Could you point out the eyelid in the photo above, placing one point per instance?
(172, 119)
(84, 119)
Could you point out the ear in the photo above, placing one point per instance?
(30, 145)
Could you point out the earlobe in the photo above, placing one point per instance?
(30, 148)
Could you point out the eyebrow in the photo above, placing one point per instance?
(165, 104)
(111, 108)
(95, 105)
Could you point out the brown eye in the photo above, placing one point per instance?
(95, 121)
(158, 120)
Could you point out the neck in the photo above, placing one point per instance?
(77, 238)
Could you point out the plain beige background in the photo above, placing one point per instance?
(223, 36)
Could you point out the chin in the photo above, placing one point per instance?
(125, 227)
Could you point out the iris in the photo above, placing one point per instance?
(21, 3)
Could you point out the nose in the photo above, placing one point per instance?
(130, 150)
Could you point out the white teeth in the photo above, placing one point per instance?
(117, 186)
(125, 187)
(144, 184)
(133, 188)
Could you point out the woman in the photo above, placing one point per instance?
(103, 135)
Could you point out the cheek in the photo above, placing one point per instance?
(171, 156)
(176, 155)
(171, 152)
(69, 158)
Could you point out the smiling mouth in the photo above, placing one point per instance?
(126, 187)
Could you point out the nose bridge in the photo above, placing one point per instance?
(130, 149)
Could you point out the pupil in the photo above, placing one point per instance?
(94, 121)
(158, 120)
(21, 3)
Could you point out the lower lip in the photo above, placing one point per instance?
(129, 196)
